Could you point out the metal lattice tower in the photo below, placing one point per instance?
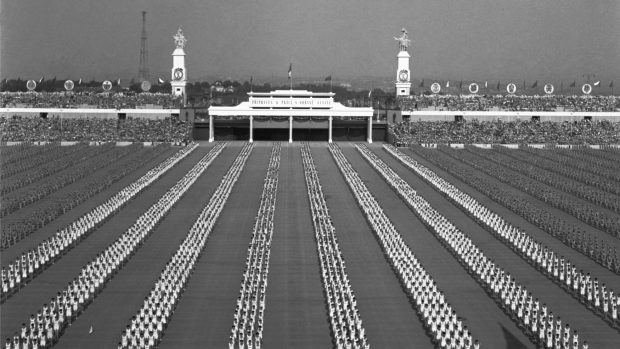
(143, 72)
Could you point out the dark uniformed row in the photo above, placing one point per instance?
(344, 317)
(81, 291)
(148, 325)
(586, 212)
(32, 262)
(513, 297)
(586, 192)
(247, 328)
(445, 328)
(599, 251)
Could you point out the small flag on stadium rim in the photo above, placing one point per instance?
(448, 84)
(611, 84)
(573, 84)
(90, 330)
(118, 82)
(486, 84)
(290, 70)
(41, 79)
(535, 84)
(80, 81)
(598, 83)
(422, 83)
(329, 78)
(369, 93)
(461, 84)
(161, 81)
(498, 85)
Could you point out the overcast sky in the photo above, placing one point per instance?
(452, 39)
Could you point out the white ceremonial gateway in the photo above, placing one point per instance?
(294, 105)
(403, 74)
(179, 72)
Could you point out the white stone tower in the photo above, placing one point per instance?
(403, 74)
(179, 72)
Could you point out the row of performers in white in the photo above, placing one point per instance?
(247, 328)
(445, 328)
(52, 319)
(147, 326)
(344, 317)
(32, 262)
(536, 320)
(583, 286)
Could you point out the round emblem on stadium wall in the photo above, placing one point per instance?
(473, 88)
(435, 87)
(145, 86)
(548, 88)
(69, 85)
(31, 85)
(586, 89)
(107, 85)
(511, 88)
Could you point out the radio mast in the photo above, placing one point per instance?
(143, 72)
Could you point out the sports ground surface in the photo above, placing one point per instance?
(296, 313)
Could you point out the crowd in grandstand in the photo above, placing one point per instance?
(104, 100)
(498, 132)
(510, 103)
(55, 129)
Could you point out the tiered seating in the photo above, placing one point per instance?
(49, 323)
(32, 262)
(148, 325)
(247, 329)
(536, 321)
(445, 328)
(344, 316)
(562, 271)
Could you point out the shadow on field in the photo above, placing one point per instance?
(512, 342)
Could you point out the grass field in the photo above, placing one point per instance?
(296, 313)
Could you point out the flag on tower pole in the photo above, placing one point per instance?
(290, 74)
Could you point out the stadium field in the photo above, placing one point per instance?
(296, 312)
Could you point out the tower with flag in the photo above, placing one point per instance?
(403, 76)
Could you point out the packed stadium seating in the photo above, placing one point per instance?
(89, 100)
(510, 103)
(55, 129)
(498, 132)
